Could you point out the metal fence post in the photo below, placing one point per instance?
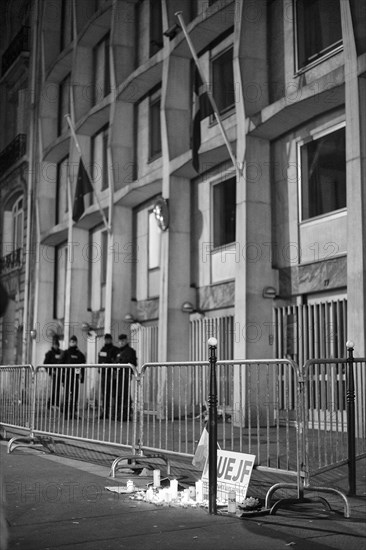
(351, 421)
(212, 432)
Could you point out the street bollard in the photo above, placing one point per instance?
(351, 421)
(212, 432)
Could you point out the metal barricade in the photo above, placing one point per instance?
(325, 433)
(16, 397)
(172, 406)
(325, 413)
(95, 403)
(173, 409)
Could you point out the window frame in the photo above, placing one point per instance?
(64, 103)
(229, 109)
(314, 136)
(328, 52)
(66, 24)
(101, 283)
(155, 268)
(17, 227)
(155, 30)
(214, 184)
(154, 99)
(59, 185)
(104, 183)
(105, 41)
(64, 247)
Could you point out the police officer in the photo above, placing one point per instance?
(71, 378)
(125, 354)
(52, 357)
(107, 355)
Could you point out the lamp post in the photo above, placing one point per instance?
(351, 421)
(212, 431)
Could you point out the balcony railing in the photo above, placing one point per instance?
(11, 261)
(19, 44)
(13, 152)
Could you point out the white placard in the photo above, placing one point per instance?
(233, 474)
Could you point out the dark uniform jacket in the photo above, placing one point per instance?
(73, 356)
(107, 354)
(52, 357)
(126, 355)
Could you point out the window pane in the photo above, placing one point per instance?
(66, 23)
(154, 242)
(155, 131)
(224, 199)
(60, 276)
(156, 27)
(223, 81)
(102, 73)
(18, 224)
(318, 28)
(323, 175)
(64, 104)
(61, 190)
(97, 269)
(99, 160)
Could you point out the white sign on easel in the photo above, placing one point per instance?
(233, 474)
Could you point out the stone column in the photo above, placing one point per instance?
(175, 250)
(253, 313)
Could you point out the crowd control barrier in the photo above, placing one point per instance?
(92, 403)
(174, 409)
(295, 421)
(16, 396)
(334, 415)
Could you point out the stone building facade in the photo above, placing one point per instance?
(270, 258)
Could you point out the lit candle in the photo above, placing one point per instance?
(199, 491)
(174, 488)
(156, 478)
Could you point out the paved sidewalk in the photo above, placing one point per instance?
(60, 503)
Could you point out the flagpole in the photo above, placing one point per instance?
(110, 242)
(87, 171)
(179, 15)
(69, 263)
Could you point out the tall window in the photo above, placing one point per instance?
(61, 190)
(224, 212)
(223, 81)
(18, 223)
(153, 256)
(66, 24)
(323, 174)
(97, 257)
(318, 29)
(102, 84)
(154, 126)
(100, 159)
(60, 280)
(156, 27)
(63, 104)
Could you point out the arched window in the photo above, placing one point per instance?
(17, 214)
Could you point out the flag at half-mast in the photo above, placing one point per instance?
(83, 187)
(203, 109)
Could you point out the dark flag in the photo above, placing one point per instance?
(83, 187)
(203, 109)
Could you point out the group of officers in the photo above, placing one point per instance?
(115, 382)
